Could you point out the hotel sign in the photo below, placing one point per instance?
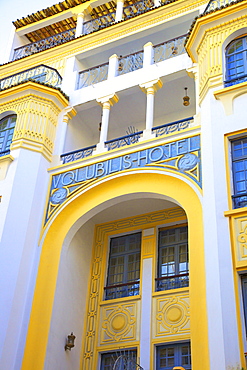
(181, 156)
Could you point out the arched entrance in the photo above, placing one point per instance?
(81, 210)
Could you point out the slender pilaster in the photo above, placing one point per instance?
(150, 88)
(148, 55)
(106, 103)
(113, 66)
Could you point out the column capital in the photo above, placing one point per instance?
(69, 112)
(111, 99)
(154, 84)
(193, 71)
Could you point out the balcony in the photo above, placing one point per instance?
(127, 140)
(98, 21)
(41, 73)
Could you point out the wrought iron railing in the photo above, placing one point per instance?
(169, 49)
(123, 140)
(5, 152)
(172, 127)
(92, 75)
(44, 44)
(172, 282)
(240, 200)
(40, 73)
(122, 290)
(99, 23)
(127, 363)
(130, 63)
(77, 154)
(137, 8)
(216, 4)
(235, 81)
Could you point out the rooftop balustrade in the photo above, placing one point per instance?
(137, 8)
(127, 140)
(40, 73)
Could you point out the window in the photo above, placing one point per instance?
(173, 264)
(172, 355)
(123, 278)
(244, 291)
(7, 125)
(239, 169)
(119, 360)
(236, 61)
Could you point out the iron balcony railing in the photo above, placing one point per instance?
(172, 282)
(5, 152)
(49, 42)
(41, 73)
(132, 62)
(240, 200)
(170, 128)
(93, 75)
(99, 23)
(77, 154)
(216, 4)
(137, 8)
(169, 49)
(122, 290)
(130, 139)
(123, 140)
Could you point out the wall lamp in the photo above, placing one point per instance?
(186, 99)
(70, 342)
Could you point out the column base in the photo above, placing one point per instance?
(147, 135)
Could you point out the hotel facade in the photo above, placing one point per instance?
(123, 187)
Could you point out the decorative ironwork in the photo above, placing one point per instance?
(93, 75)
(172, 282)
(40, 73)
(131, 62)
(44, 44)
(234, 81)
(99, 23)
(172, 127)
(123, 140)
(77, 154)
(122, 290)
(239, 201)
(169, 49)
(137, 8)
(216, 4)
(127, 363)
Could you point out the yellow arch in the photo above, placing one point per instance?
(158, 183)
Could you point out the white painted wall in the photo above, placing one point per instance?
(70, 300)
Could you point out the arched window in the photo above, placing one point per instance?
(7, 126)
(236, 61)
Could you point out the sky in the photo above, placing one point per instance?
(11, 10)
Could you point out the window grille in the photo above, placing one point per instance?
(173, 263)
(120, 360)
(123, 278)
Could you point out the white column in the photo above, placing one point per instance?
(150, 88)
(79, 25)
(119, 10)
(106, 103)
(148, 55)
(157, 2)
(113, 66)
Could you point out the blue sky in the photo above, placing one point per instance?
(11, 10)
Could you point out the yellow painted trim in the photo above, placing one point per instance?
(38, 88)
(173, 187)
(228, 94)
(169, 292)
